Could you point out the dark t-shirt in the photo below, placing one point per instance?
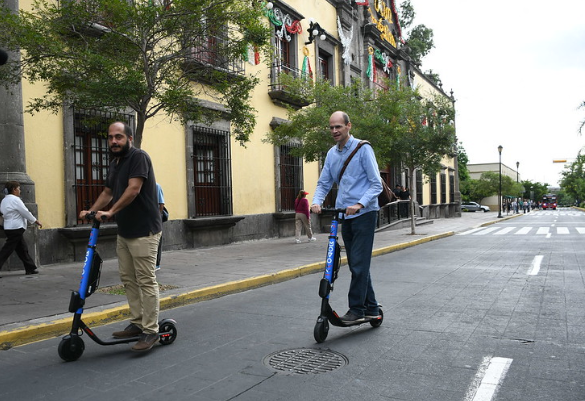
(141, 217)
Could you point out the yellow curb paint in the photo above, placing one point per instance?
(32, 333)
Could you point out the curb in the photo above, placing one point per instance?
(38, 332)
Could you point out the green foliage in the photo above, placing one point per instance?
(489, 185)
(401, 127)
(573, 181)
(420, 41)
(462, 161)
(534, 190)
(119, 55)
(407, 14)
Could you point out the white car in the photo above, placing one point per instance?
(474, 207)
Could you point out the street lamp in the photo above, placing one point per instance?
(517, 167)
(500, 192)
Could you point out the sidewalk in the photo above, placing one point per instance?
(35, 307)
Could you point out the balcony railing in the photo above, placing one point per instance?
(278, 90)
(212, 53)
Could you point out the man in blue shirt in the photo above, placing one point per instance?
(358, 191)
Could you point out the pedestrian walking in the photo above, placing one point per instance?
(357, 193)
(131, 188)
(16, 216)
(302, 217)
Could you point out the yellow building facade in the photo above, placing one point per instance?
(216, 190)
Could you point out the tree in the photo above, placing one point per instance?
(400, 125)
(420, 38)
(147, 56)
(462, 161)
(534, 190)
(573, 181)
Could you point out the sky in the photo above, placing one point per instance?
(517, 71)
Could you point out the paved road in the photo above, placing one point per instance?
(469, 317)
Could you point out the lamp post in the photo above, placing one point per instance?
(500, 191)
(517, 167)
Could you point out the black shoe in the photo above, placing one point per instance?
(131, 331)
(351, 317)
(370, 315)
(146, 342)
(35, 271)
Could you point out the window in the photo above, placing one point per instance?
(434, 189)
(451, 185)
(419, 187)
(211, 50)
(90, 161)
(211, 172)
(290, 177)
(325, 70)
(443, 187)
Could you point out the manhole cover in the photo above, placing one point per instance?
(305, 361)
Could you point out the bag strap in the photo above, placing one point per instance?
(350, 156)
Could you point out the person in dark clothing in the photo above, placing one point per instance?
(131, 186)
(404, 196)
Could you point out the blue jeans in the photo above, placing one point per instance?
(358, 237)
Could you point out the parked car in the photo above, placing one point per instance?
(474, 207)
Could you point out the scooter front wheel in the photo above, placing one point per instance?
(321, 329)
(71, 348)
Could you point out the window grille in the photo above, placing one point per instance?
(92, 156)
(291, 172)
(212, 172)
(434, 189)
(451, 186)
(443, 188)
(419, 187)
(212, 51)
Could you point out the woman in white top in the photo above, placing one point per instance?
(16, 216)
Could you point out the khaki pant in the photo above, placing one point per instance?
(136, 263)
(300, 222)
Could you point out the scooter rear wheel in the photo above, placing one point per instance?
(378, 322)
(321, 330)
(71, 348)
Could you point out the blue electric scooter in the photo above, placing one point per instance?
(332, 265)
(71, 346)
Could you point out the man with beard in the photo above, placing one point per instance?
(131, 187)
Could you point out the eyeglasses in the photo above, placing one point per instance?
(332, 127)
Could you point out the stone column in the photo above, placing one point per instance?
(13, 155)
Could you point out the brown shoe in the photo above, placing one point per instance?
(146, 342)
(131, 331)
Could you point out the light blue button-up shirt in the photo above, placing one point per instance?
(360, 183)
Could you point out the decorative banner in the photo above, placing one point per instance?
(285, 22)
(252, 55)
(371, 71)
(306, 71)
(345, 42)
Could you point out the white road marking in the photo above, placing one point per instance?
(562, 230)
(505, 230)
(535, 266)
(471, 231)
(542, 230)
(581, 230)
(486, 231)
(523, 230)
(489, 376)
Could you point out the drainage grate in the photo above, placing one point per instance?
(305, 361)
